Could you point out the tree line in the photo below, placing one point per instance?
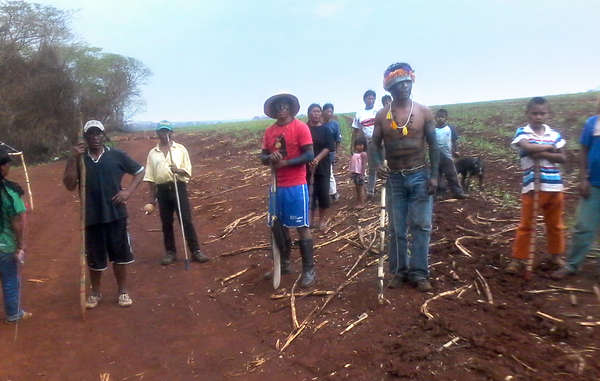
(51, 84)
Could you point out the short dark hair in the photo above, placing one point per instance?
(535, 101)
(441, 112)
(369, 92)
(328, 105)
(313, 105)
(385, 97)
(360, 140)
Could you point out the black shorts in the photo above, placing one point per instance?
(110, 239)
(358, 179)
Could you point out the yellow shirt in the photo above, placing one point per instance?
(157, 164)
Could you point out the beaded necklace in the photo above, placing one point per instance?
(395, 125)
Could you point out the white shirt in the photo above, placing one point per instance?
(443, 138)
(364, 120)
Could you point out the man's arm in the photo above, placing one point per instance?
(434, 153)
(151, 187)
(306, 156)
(124, 194)
(18, 226)
(71, 174)
(533, 148)
(553, 157)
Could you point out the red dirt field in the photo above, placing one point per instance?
(187, 325)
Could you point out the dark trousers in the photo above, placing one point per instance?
(448, 170)
(167, 205)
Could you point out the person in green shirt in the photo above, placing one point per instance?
(12, 241)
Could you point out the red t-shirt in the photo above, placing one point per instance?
(295, 134)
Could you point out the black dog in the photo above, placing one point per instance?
(470, 166)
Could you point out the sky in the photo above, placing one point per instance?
(220, 60)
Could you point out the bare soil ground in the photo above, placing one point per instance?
(191, 325)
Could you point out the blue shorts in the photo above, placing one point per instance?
(290, 205)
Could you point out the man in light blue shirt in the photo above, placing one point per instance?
(446, 140)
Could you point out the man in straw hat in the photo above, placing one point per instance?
(405, 126)
(287, 147)
(164, 160)
(105, 207)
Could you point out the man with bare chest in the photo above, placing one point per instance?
(404, 127)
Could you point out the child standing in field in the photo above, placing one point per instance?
(358, 166)
(540, 149)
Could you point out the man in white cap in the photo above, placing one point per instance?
(287, 147)
(105, 207)
(166, 160)
(406, 126)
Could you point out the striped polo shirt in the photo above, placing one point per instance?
(550, 178)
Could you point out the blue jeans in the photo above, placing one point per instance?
(374, 158)
(10, 286)
(586, 229)
(409, 207)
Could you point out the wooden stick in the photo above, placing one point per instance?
(570, 289)
(449, 344)
(597, 292)
(27, 180)
(536, 190)
(549, 317)
(233, 276)
(424, 309)
(321, 325)
(303, 293)
(82, 255)
(589, 323)
(486, 287)
(463, 249)
(380, 275)
(362, 255)
(295, 324)
(317, 310)
(245, 250)
(522, 363)
(362, 317)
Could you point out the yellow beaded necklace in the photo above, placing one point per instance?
(395, 125)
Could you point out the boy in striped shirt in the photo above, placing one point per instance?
(539, 146)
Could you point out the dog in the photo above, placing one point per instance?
(469, 167)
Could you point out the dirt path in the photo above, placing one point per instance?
(188, 325)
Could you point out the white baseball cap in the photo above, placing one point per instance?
(93, 123)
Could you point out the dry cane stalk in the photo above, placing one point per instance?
(245, 250)
(295, 324)
(486, 287)
(362, 255)
(304, 293)
(233, 276)
(549, 317)
(362, 317)
(463, 249)
(424, 309)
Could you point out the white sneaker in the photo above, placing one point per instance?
(125, 300)
(92, 301)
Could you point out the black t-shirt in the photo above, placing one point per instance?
(103, 181)
(322, 138)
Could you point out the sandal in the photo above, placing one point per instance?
(125, 300)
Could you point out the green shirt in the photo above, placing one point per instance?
(12, 205)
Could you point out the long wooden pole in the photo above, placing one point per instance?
(187, 257)
(380, 275)
(82, 256)
(536, 190)
(20, 153)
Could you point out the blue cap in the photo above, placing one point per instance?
(164, 125)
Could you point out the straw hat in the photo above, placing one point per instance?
(295, 105)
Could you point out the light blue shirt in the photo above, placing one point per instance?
(443, 137)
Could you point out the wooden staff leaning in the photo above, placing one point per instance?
(532, 243)
(187, 257)
(82, 256)
(380, 274)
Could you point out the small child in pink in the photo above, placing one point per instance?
(358, 167)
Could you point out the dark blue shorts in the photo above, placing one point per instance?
(290, 205)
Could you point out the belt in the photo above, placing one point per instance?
(407, 171)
